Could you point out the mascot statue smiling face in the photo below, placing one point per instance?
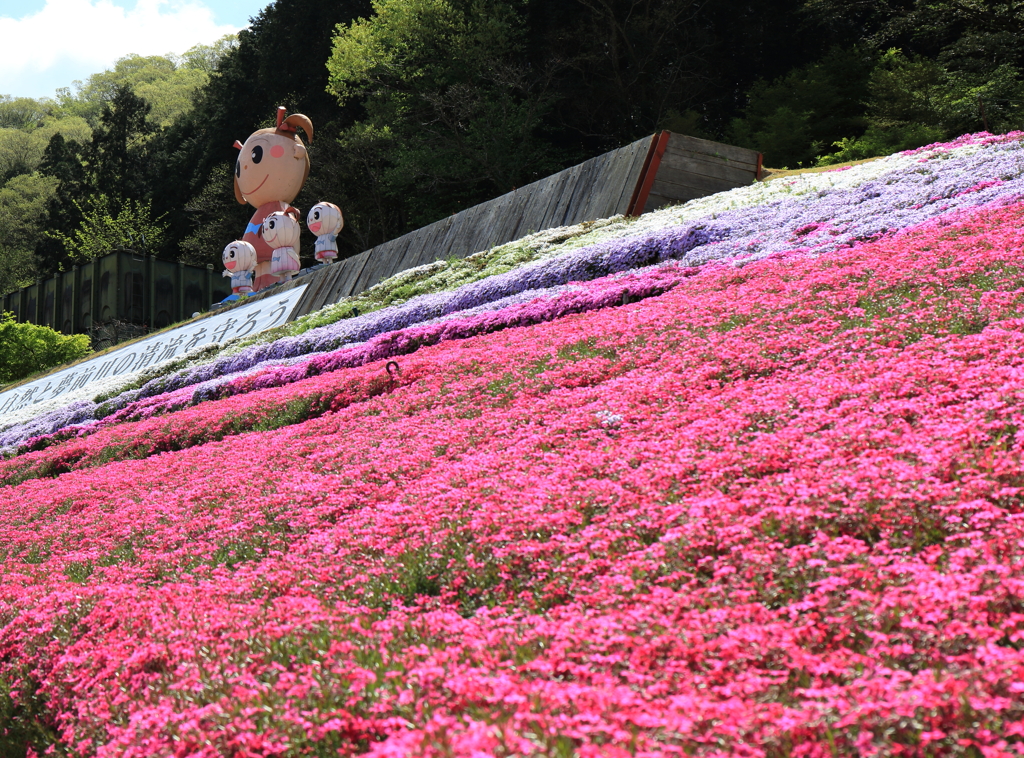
(271, 168)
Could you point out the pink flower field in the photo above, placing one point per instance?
(770, 510)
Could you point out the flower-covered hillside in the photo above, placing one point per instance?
(773, 509)
(814, 213)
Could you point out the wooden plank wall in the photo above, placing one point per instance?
(597, 188)
(692, 168)
(647, 174)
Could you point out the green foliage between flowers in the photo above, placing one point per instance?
(27, 348)
(878, 140)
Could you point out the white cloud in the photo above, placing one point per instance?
(71, 39)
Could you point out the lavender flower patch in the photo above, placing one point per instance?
(190, 395)
(577, 265)
(551, 304)
(227, 385)
(47, 428)
(895, 201)
(78, 413)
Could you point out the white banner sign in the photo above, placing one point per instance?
(238, 322)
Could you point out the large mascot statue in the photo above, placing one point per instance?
(271, 168)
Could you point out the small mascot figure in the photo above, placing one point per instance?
(239, 263)
(271, 168)
(325, 221)
(281, 233)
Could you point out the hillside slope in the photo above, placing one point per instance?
(682, 508)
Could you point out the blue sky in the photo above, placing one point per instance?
(50, 43)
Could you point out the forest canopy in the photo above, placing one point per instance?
(425, 107)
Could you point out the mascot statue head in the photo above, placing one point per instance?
(273, 163)
(239, 256)
(281, 230)
(325, 218)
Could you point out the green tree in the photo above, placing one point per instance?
(104, 228)
(168, 84)
(26, 349)
(448, 95)
(907, 90)
(87, 99)
(980, 41)
(21, 150)
(208, 57)
(19, 153)
(914, 100)
(624, 68)
(117, 154)
(63, 162)
(22, 112)
(968, 35)
(173, 95)
(22, 207)
(799, 116)
(98, 183)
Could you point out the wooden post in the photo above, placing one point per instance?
(55, 317)
(647, 176)
(119, 295)
(643, 173)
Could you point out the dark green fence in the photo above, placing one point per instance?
(122, 286)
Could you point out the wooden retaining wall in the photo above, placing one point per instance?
(688, 168)
(598, 188)
(644, 175)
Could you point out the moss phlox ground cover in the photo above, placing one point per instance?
(816, 213)
(768, 510)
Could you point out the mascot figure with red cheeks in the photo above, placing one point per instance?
(281, 233)
(239, 263)
(325, 221)
(271, 168)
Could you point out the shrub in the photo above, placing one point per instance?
(27, 348)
